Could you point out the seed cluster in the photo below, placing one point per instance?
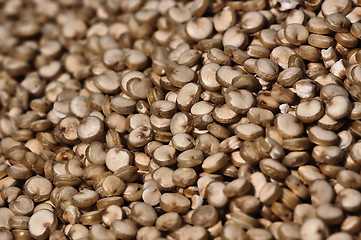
(165, 119)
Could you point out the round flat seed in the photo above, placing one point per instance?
(240, 101)
(248, 131)
(288, 126)
(322, 137)
(309, 111)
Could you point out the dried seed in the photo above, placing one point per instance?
(322, 137)
(168, 222)
(237, 187)
(215, 194)
(239, 101)
(338, 107)
(118, 157)
(85, 198)
(224, 19)
(164, 178)
(215, 162)
(199, 28)
(349, 199)
(314, 227)
(184, 177)
(42, 223)
(174, 202)
(234, 36)
(309, 111)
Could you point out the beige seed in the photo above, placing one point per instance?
(331, 215)
(164, 155)
(180, 123)
(215, 195)
(99, 231)
(314, 228)
(169, 222)
(208, 77)
(85, 198)
(42, 223)
(196, 232)
(248, 131)
(90, 129)
(215, 162)
(199, 28)
(225, 75)
(257, 233)
(189, 57)
(318, 25)
(338, 107)
(207, 143)
(328, 123)
(125, 229)
(289, 230)
(19, 222)
(205, 216)
(244, 220)
(340, 235)
(288, 126)
(234, 36)
(237, 55)
(122, 105)
(327, 154)
(216, 55)
(351, 224)
(321, 192)
(38, 188)
(297, 186)
(349, 199)
(138, 88)
(322, 137)
(239, 101)
(237, 187)
(232, 231)
(255, 51)
(273, 169)
(163, 108)
(296, 34)
(182, 141)
(320, 41)
(269, 193)
(280, 55)
(183, 177)
(309, 111)
(224, 19)
(107, 82)
(190, 158)
(68, 130)
(179, 14)
(6, 215)
(118, 157)
(338, 23)
(252, 21)
(163, 176)
(188, 96)
(174, 202)
(143, 214)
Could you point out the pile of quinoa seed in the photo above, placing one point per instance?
(180, 120)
